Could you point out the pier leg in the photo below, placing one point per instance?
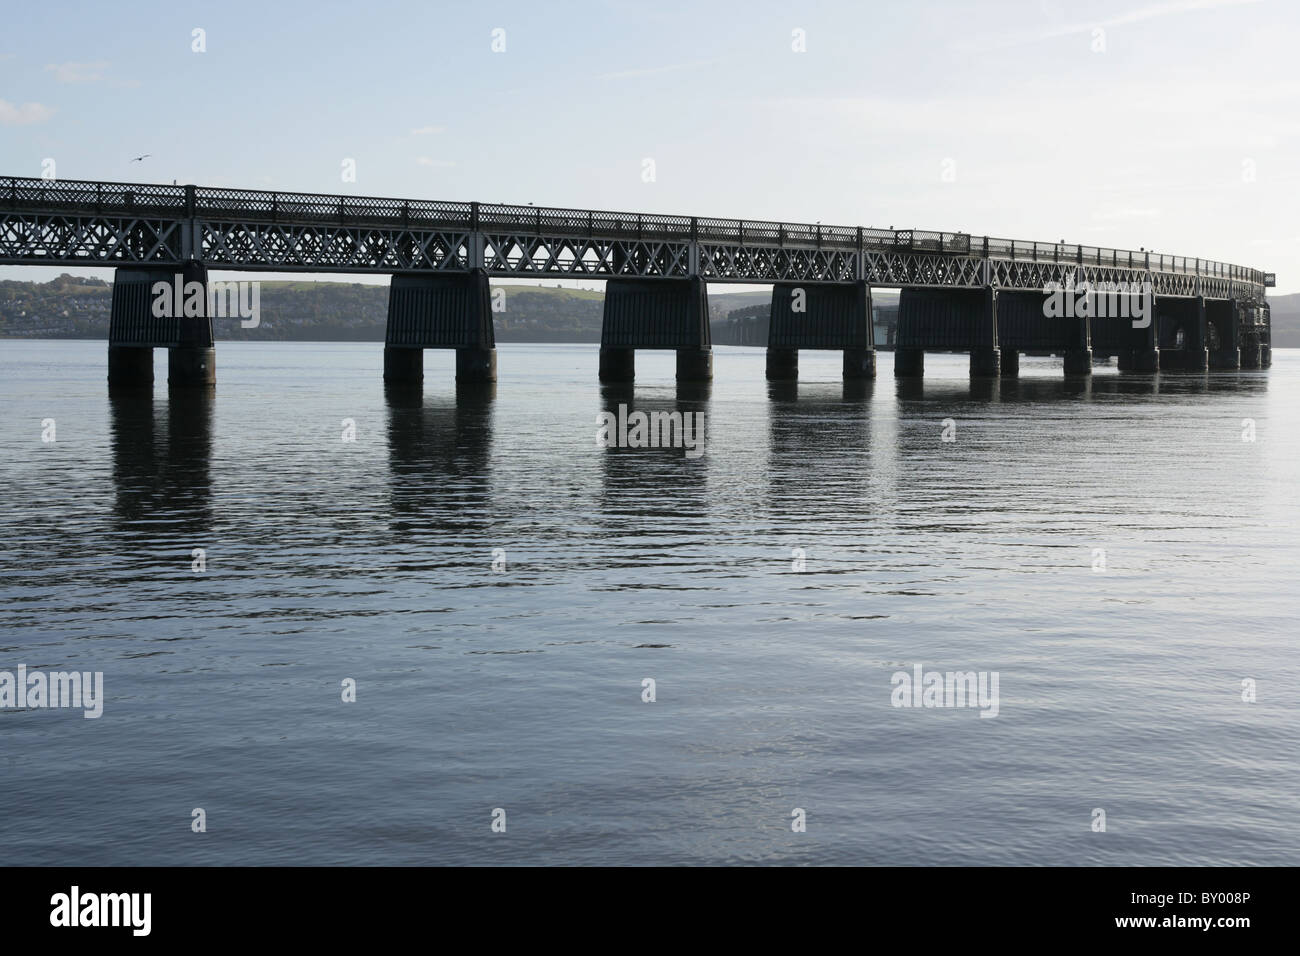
(1225, 359)
(1144, 361)
(985, 362)
(909, 363)
(695, 365)
(188, 367)
(782, 365)
(617, 365)
(1251, 353)
(985, 356)
(1078, 362)
(403, 366)
(859, 364)
(1010, 363)
(130, 366)
(476, 365)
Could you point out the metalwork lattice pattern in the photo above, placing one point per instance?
(78, 222)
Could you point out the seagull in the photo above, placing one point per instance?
(138, 158)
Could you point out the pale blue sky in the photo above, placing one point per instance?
(1152, 142)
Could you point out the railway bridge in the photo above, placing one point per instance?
(993, 298)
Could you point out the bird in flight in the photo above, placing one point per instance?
(138, 158)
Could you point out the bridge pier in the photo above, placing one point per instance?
(161, 307)
(952, 320)
(783, 365)
(1182, 334)
(190, 367)
(695, 365)
(617, 365)
(829, 316)
(1010, 362)
(909, 363)
(449, 310)
(403, 366)
(1223, 329)
(476, 365)
(985, 355)
(130, 366)
(859, 364)
(656, 314)
(1078, 362)
(1252, 352)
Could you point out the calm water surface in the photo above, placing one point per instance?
(521, 688)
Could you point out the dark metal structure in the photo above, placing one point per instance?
(436, 248)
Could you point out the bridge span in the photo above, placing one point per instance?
(989, 297)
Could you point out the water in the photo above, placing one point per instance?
(521, 688)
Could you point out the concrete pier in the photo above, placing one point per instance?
(695, 365)
(161, 307)
(909, 363)
(1010, 363)
(476, 365)
(403, 366)
(130, 366)
(189, 367)
(859, 364)
(1078, 362)
(440, 311)
(617, 365)
(783, 365)
(985, 362)
(656, 314)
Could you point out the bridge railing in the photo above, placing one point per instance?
(71, 195)
(264, 206)
(90, 197)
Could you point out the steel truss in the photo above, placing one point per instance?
(80, 223)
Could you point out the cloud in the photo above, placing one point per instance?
(78, 72)
(436, 163)
(428, 130)
(28, 113)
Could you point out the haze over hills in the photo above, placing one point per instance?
(78, 307)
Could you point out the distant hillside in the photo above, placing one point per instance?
(78, 307)
(1285, 313)
(73, 307)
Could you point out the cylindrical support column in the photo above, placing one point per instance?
(985, 362)
(1251, 355)
(909, 363)
(1010, 363)
(695, 365)
(403, 366)
(859, 363)
(1265, 354)
(1145, 361)
(617, 365)
(1078, 362)
(476, 365)
(190, 367)
(130, 366)
(782, 365)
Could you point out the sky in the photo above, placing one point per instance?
(1172, 126)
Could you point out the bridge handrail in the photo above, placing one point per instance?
(64, 195)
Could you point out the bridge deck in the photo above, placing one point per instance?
(61, 222)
